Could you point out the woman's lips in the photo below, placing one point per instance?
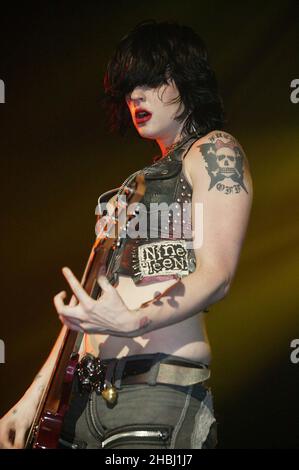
(142, 119)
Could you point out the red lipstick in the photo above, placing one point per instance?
(142, 115)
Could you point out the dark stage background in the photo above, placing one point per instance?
(57, 157)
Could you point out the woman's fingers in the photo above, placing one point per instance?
(76, 287)
(84, 314)
(73, 301)
(5, 438)
(73, 313)
(19, 438)
(58, 301)
(105, 284)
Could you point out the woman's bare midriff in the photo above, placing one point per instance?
(186, 339)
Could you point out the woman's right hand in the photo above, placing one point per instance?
(15, 423)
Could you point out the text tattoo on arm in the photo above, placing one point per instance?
(224, 163)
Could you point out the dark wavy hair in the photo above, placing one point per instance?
(150, 55)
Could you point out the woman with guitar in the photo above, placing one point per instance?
(131, 364)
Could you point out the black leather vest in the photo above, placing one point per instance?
(163, 248)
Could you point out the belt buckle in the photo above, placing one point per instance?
(91, 374)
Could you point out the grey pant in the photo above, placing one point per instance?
(144, 417)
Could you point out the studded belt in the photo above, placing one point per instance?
(106, 376)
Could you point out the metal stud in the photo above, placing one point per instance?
(109, 393)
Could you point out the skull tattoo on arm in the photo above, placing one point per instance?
(224, 163)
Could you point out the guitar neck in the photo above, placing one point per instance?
(70, 343)
(56, 396)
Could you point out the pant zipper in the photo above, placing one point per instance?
(160, 434)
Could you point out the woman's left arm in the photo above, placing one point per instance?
(220, 176)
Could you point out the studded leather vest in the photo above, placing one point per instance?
(161, 248)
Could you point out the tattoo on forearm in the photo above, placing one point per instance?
(40, 387)
(224, 163)
(144, 322)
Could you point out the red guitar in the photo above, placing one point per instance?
(47, 424)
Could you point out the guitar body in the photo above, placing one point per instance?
(47, 424)
(47, 432)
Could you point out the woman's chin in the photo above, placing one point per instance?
(146, 133)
